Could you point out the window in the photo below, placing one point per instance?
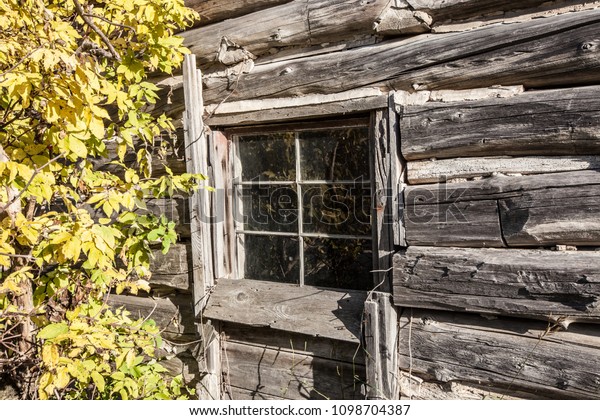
(303, 205)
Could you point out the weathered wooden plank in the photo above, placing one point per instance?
(462, 9)
(397, 175)
(381, 335)
(381, 212)
(442, 170)
(512, 282)
(175, 209)
(533, 210)
(217, 10)
(173, 314)
(294, 343)
(297, 23)
(171, 269)
(306, 310)
(552, 216)
(234, 393)
(498, 187)
(513, 355)
(290, 112)
(288, 375)
(471, 223)
(541, 52)
(555, 122)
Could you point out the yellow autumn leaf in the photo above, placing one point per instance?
(62, 377)
(50, 355)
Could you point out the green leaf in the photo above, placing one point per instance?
(52, 331)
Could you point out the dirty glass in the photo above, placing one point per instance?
(272, 258)
(335, 155)
(268, 157)
(342, 209)
(270, 208)
(338, 263)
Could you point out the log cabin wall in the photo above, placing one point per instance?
(492, 112)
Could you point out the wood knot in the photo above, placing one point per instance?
(285, 71)
(587, 46)
(241, 297)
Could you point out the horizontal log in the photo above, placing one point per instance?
(550, 209)
(297, 23)
(300, 344)
(174, 209)
(429, 171)
(472, 223)
(269, 110)
(462, 9)
(555, 122)
(539, 284)
(542, 52)
(171, 269)
(306, 310)
(173, 314)
(211, 11)
(289, 375)
(513, 355)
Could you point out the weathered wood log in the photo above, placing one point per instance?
(512, 355)
(550, 209)
(298, 23)
(211, 11)
(290, 375)
(171, 269)
(270, 110)
(306, 310)
(471, 223)
(462, 9)
(541, 284)
(542, 52)
(429, 171)
(173, 314)
(555, 122)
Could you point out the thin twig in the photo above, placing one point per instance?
(92, 25)
(20, 61)
(110, 22)
(27, 257)
(36, 172)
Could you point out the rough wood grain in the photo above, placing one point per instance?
(513, 355)
(471, 223)
(171, 269)
(430, 171)
(381, 212)
(297, 23)
(462, 9)
(290, 112)
(525, 283)
(381, 336)
(288, 375)
(294, 343)
(307, 310)
(175, 209)
(212, 11)
(397, 176)
(550, 209)
(554, 122)
(542, 52)
(235, 393)
(173, 314)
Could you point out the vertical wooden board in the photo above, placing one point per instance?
(382, 201)
(374, 381)
(397, 174)
(210, 386)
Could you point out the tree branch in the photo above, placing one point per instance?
(35, 173)
(120, 25)
(92, 25)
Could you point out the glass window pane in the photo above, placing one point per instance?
(272, 258)
(272, 208)
(338, 263)
(335, 155)
(342, 209)
(268, 157)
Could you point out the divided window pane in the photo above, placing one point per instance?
(304, 207)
